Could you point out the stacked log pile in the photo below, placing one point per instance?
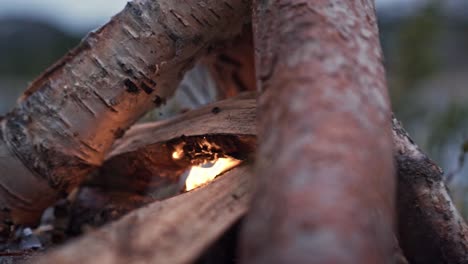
(326, 174)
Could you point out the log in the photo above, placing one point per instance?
(233, 71)
(232, 68)
(233, 63)
(69, 117)
(232, 116)
(326, 185)
(228, 65)
(431, 230)
(140, 169)
(176, 230)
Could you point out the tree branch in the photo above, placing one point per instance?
(431, 229)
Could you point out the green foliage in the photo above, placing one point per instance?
(416, 56)
(29, 47)
(444, 125)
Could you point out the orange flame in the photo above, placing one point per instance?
(212, 166)
(202, 174)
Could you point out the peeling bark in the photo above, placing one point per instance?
(70, 116)
(431, 229)
(326, 187)
(176, 230)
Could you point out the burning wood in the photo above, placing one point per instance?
(158, 160)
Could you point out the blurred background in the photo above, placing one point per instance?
(424, 43)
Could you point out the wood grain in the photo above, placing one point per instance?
(175, 231)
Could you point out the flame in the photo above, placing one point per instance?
(178, 154)
(206, 162)
(202, 174)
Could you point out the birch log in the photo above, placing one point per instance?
(70, 116)
(326, 186)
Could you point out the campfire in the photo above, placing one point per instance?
(176, 190)
(187, 173)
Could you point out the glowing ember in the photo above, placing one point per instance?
(207, 162)
(178, 154)
(202, 174)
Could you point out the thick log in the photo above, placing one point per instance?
(70, 116)
(230, 86)
(141, 169)
(326, 184)
(431, 230)
(176, 230)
